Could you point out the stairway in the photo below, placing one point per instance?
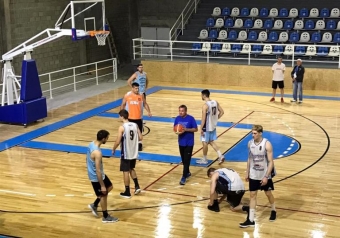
(112, 45)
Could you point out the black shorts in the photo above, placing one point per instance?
(97, 188)
(126, 165)
(144, 95)
(233, 197)
(139, 123)
(278, 83)
(255, 185)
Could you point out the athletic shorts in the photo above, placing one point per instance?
(139, 123)
(144, 95)
(233, 197)
(255, 185)
(126, 165)
(278, 83)
(209, 136)
(97, 188)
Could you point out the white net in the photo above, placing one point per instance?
(101, 37)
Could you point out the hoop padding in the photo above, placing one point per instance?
(100, 35)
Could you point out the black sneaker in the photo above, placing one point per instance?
(272, 216)
(247, 223)
(137, 190)
(125, 195)
(215, 207)
(140, 147)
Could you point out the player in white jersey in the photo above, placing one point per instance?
(227, 182)
(128, 137)
(141, 78)
(211, 112)
(278, 70)
(260, 171)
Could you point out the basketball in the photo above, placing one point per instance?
(178, 128)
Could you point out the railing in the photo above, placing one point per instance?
(183, 50)
(182, 20)
(71, 79)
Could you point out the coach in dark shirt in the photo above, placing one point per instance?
(186, 140)
(297, 77)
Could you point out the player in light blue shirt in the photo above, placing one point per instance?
(141, 78)
(100, 182)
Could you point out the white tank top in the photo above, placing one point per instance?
(129, 143)
(211, 116)
(258, 159)
(231, 178)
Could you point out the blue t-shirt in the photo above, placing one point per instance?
(187, 138)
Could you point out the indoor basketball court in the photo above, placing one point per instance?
(45, 190)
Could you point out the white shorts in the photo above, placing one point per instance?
(209, 136)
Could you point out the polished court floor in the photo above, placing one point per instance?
(45, 191)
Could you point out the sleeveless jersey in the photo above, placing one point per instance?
(129, 142)
(91, 164)
(141, 80)
(211, 116)
(134, 105)
(230, 178)
(258, 160)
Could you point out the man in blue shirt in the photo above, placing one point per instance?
(186, 140)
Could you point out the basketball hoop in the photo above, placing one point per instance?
(100, 35)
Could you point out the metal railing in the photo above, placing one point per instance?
(71, 79)
(183, 19)
(183, 50)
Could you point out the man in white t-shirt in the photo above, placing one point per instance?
(278, 76)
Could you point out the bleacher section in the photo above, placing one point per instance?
(225, 27)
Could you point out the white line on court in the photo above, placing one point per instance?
(88, 194)
(160, 189)
(50, 195)
(19, 193)
(69, 195)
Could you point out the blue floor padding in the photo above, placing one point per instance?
(280, 143)
(63, 123)
(171, 120)
(106, 152)
(248, 93)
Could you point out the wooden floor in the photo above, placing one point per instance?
(45, 193)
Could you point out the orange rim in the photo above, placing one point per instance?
(93, 33)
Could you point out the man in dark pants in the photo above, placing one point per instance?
(297, 77)
(186, 140)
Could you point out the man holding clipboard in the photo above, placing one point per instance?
(297, 77)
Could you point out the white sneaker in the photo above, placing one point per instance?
(293, 100)
(202, 161)
(221, 160)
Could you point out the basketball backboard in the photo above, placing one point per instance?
(85, 18)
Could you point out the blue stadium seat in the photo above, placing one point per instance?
(330, 25)
(216, 47)
(324, 12)
(229, 23)
(256, 49)
(225, 12)
(294, 37)
(268, 24)
(245, 12)
(309, 25)
(248, 23)
(264, 12)
(236, 49)
(316, 37)
(252, 36)
(232, 35)
(196, 47)
(278, 49)
(283, 12)
(212, 34)
(322, 51)
(273, 36)
(288, 25)
(300, 50)
(336, 37)
(304, 13)
(210, 23)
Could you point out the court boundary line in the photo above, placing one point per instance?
(176, 166)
